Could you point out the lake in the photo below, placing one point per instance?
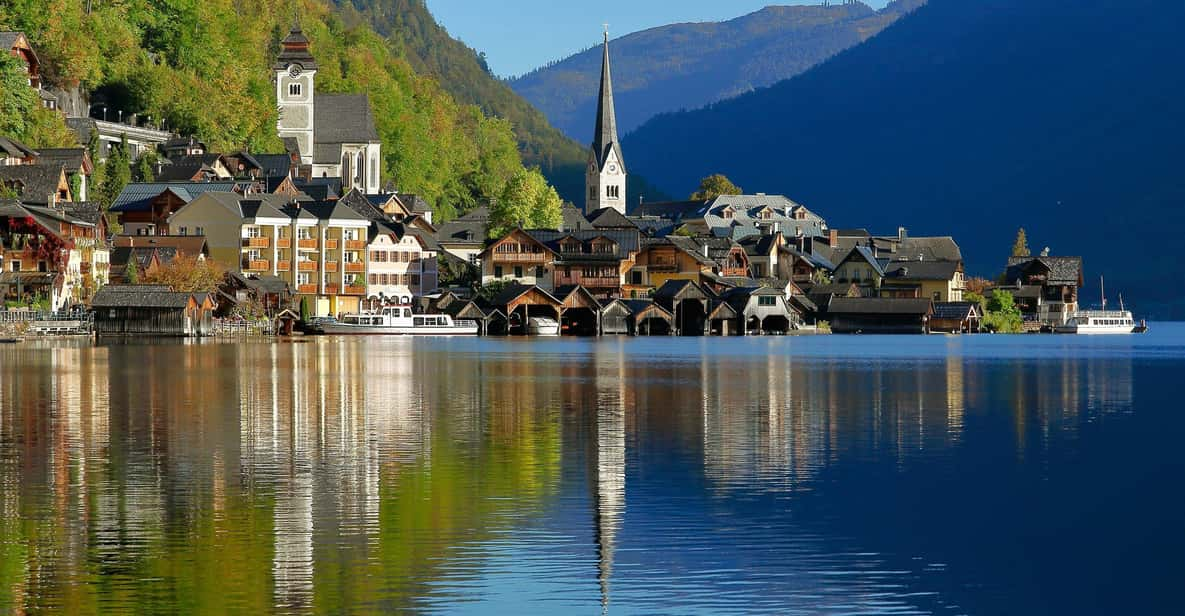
(797, 475)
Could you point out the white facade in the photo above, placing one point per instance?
(606, 187)
(399, 269)
(294, 97)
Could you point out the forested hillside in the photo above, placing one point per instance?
(974, 119)
(462, 71)
(689, 65)
(204, 67)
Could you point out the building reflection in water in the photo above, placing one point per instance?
(313, 475)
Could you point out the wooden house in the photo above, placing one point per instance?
(876, 315)
(649, 319)
(520, 302)
(151, 310)
(956, 317)
(688, 303)
(615, 318)
(1058, 278)
(762, 310)
(580, 311)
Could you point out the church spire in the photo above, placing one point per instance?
(605, 136)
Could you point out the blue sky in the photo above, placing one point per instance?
(519, 35)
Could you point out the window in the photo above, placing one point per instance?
(767, 300)
(42, 266)
(937, 296)
(636, 277)
(294, 89)
(374, 279)
(518, 271)
(538, 271)
(592, 193)
(304, 233)
(303, 279)
(497, 271)
(16, 266)
(201, 231)
(184, 231)
(612, 192)
(415, 280)
(253, 232)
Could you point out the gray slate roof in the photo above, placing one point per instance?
(1062, 270)
(921, 270)
(15, 148)
(609, 218)
(627, 242)
(955, 310)
(70, 158)
(341, 118)
(36, 182)
(139, 296)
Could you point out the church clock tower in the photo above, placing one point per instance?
(605, 177)
(294, 71)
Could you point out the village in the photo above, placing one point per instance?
(314, 232)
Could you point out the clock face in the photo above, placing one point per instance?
(294, 70)
(612, 168)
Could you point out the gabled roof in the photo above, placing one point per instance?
(463, 230)
(758, 245)
(516, 290)
(138, 196)
(672, 290)
(143, 296)
(865, 254)
(320, 189)
(688, 245)
(73, 159)
(341, 118)
(35, 182)
(1062, 270)
(413, 202)
(574, 219)
(609, 218)
(362, 205)
(563, 291)
(88, 211)
(955, 310)
(941, 248)
(14, 148)
(815, 259)
(121, 256)
(274, 165)
(627, 241)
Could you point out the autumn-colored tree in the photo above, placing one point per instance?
(715, 185)
(978, 285)
(1020, 247)
(188, 274)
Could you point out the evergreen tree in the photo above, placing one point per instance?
(145, 167)
(117, 172)
(1020, 247)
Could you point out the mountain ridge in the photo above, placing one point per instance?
(697, 63)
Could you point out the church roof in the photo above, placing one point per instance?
(294, 49)
(341, 118)
(605, 134)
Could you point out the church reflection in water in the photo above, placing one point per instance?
(320, 474)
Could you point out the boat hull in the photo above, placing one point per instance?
(340, 329)
(1095, 330)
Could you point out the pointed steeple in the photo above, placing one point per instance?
(605, 136)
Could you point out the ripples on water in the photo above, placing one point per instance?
(831, 475)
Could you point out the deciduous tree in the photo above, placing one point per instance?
(188, 274)
(715, 185)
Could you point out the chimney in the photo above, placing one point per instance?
(705, 249)
(834, 238)
(902, 234)
(775, 228)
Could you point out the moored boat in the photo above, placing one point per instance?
(1101, 322)
(396, 320)
(543, 326)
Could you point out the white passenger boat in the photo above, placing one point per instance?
(543, 326)
(396, 320)
(1102, 321)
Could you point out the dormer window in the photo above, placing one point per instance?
(727, 213)
(294, 89)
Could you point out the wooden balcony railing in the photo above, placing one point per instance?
(308, 289)
(355, 290)
(307, 266)
(355, 244)
(257, 242)
(331, 266)
(588, 281)
(520, 257)
(306, 243)
(330, 244)
(256, 266)
(331, 289)
(283, 266)
(355, 267)
(284, 242)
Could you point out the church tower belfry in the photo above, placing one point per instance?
(294, 71)
(605, 176)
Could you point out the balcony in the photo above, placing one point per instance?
(588, 281)
(520, 257)
(355, 290)
(330, 244)
(257, 242)
(307, 289)
(332, 289)
(355, 267)
(256, 266)
(307, 266)
(283, 266)
(355, 244)
(331, 266)
(284, 242)
(310, 244)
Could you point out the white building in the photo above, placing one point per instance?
(334, 132)
(605, 177)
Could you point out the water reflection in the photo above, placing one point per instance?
(404, 474)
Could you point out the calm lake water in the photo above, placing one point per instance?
(812, 475)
